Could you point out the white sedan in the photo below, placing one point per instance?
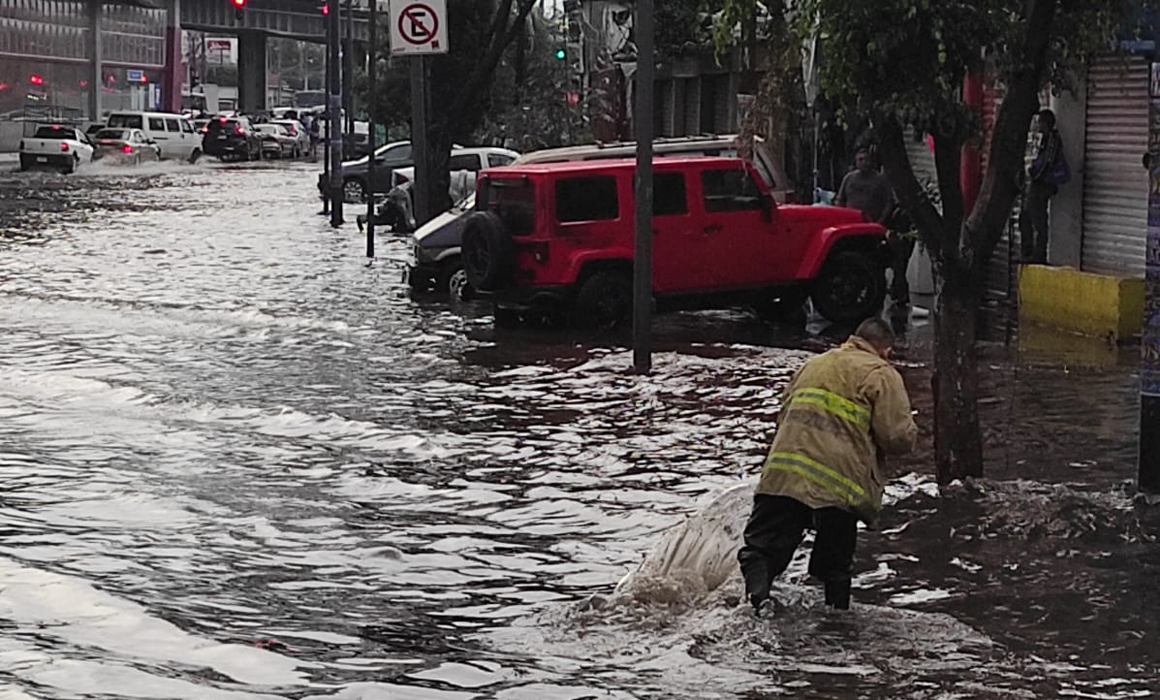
(465, 165)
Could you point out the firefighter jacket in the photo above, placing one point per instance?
(841, 411)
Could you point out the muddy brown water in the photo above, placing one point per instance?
(240, 463)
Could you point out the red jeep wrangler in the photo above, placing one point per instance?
(556, 240)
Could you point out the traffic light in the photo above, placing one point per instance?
(239, 5)
(325, 9)
(561, 54)
(36, 79)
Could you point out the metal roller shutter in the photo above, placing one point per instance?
(1115, 192)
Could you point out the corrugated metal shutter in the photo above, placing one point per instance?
(725, 95)
(1115, 191)
(921, 157)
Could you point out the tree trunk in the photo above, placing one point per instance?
(958, 444)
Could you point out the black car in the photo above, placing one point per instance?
(354, 172)
(232, 138)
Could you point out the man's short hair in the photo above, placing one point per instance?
(861, 150)
(877, 332)
(1047, 116)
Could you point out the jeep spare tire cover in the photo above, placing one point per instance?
(487, 251)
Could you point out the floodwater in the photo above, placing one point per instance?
(238, 462)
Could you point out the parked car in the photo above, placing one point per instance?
(354, 172)
(232, 138)
(298, 131)
(557, 240)
(174, 133)
(58, 145)
(125, 146)
(437, 243)
(277, 142)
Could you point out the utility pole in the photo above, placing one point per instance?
(334, 111)
(643, 126)
(371, 56)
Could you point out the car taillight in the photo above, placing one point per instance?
(205, 129)
(64, 146)
(127, 148)
(239, 131)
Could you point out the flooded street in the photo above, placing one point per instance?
(237, 462)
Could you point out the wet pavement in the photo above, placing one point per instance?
(238, 462)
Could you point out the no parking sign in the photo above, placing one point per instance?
(418, 27)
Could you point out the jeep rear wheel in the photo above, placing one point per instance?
(605, 301)
(487, 251)
(851, 287)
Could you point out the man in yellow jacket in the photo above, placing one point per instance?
(840, 413)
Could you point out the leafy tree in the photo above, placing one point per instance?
(901, 62)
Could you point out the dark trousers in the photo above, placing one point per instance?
(773, 533)
(1034, 224)
(901, 248)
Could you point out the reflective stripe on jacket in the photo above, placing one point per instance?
(840, 410)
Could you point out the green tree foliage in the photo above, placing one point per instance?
(902, 62)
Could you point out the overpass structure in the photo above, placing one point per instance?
(79, 43)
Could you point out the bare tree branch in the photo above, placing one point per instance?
(906, 186)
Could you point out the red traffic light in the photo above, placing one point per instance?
(36, 79)
(325, 9)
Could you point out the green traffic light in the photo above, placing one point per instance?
(560, 54)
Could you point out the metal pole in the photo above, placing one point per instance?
(334, 110)
(371, 50)
(348, 71)
(419, 139)
(642, 268)
(324, 129)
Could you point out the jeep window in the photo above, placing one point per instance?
(758, 162)
(587, 199)
(730, 190)
(512, 200)
(669, 194)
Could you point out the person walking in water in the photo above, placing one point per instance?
(842, 410)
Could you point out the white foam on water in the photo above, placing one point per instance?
(85, 621)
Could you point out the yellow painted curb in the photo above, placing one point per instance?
(1101, 306)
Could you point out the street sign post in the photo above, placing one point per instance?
(418, 27)
(643, 126)
(1149, 458)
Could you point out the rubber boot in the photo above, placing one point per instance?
(838, 594)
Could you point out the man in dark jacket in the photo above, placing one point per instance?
(1047, 172)
(842, 410)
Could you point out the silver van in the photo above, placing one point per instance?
(174, 133)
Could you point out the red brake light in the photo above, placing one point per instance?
(126, 148)
(222, 120)
(205, 129)
(63, 146)
(239, 131)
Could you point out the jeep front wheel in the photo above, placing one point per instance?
(605, 301)
(851, 287)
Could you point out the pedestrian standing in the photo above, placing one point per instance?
(315, 137)
(1047, 172)
(868, 190)
(842, 410)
